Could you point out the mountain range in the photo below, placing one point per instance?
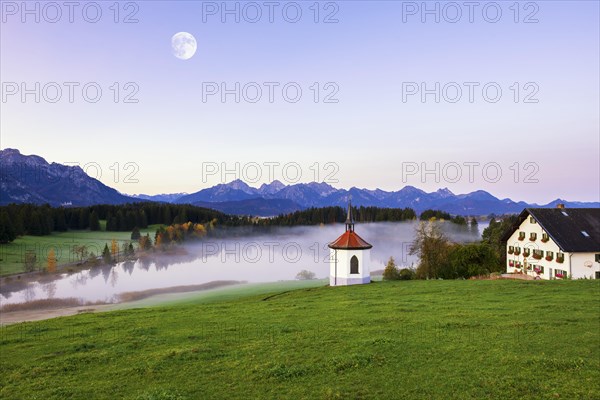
(30, 179)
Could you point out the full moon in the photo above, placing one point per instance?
(184, 45)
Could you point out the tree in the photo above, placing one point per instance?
(473, 259)
(432, 247)
(158, 240)
(492, 235)
(473, 223)
(145, 242)
(51, 259)
(305, 275)
(135, 233)
(60, 222)
(84, 218)
(92, 259)
(391, 273)
(94, 221)
(106, 257)
(80, 251)
(114, 248)
(30, 261)
(7, 231)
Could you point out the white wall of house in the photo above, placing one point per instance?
(339, 267)
(583, 265)
(548, 267)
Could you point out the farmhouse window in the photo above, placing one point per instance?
(532, 236)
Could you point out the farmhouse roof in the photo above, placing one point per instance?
(572, 229)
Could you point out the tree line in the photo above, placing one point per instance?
(39, 220)
(329, 215)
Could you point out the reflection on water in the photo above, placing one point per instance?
(240, 254)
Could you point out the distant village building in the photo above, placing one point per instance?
(555, 243)
(349, 257)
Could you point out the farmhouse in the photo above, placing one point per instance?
(349, 257)
(555, 243)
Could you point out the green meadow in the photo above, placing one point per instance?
(496, 339)
(12, 254)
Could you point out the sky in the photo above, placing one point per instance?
(498, 96)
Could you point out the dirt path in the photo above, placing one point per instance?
(13, 317)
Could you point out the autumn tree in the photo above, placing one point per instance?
(51, 260)
(158, 241)
(114, 249)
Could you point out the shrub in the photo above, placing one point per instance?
(407, 274)
(305, 275)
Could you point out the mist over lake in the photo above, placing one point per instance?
(276, 254)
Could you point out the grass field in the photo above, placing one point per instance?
(386, 340)
(12, 254)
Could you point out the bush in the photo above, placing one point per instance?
(305, 275)
(407, 274)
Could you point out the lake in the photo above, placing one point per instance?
(276, 255)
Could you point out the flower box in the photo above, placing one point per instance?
(517, 252)
(545, 239)
(560, 260)
(511, 263)
(526, 253)
(537, 256)
(537, 270)
(559, 276)
(549, 258)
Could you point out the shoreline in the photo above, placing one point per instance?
(154, 297)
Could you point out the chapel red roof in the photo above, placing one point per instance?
(350, 241)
